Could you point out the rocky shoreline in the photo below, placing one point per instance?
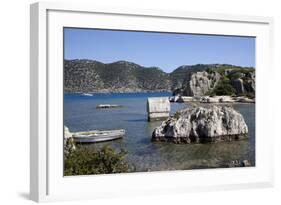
(212, 99)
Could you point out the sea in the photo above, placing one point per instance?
(80, 114)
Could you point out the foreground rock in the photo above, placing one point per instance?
(202, 124)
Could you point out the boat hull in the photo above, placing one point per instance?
(98, 136)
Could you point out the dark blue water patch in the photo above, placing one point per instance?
(110, 96)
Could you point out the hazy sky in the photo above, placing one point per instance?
(165, 50)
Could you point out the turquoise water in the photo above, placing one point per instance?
(80, 114)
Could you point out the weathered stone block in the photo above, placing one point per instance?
(158, 108)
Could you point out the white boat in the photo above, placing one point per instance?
(98, 136)
(87, 94)
(101, 106)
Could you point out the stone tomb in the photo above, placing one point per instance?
(158, 108)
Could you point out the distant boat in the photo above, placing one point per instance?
(87, 94)
(101, 106)
(98, 136)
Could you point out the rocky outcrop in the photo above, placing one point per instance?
(250, 82)
(243, 86)
(181, 75)
(68, 141)
(201, 83)
(245, 83)
(67, 133)
(202, 124)
(250, 85)
(238, 85)
(219, 80)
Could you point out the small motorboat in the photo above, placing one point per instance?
(98, 136)
(104, 106)
(87, 94)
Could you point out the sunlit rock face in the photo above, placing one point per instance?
(201, 83)
(202, 124)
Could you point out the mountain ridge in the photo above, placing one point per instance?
(86, 75)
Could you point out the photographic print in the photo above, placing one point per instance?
(138, 101)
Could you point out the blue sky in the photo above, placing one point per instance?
(165, 50)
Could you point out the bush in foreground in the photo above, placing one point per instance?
(87, 160)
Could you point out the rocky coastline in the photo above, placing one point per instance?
(212, 99)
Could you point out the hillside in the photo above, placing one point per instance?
(123, 76)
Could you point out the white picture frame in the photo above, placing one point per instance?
(46, 40)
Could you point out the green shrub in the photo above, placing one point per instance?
(221, 70)
(87, 160)
(234, 75)
(223, 88)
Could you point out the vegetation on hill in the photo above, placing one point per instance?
(223, 87)
(234, 81)
(121, 76)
